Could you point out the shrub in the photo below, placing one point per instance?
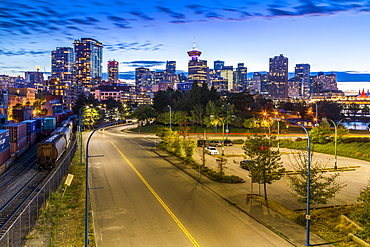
(238, 141)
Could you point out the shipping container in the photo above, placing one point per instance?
(50, 123)
(17, 131)
(58, 118)
(4, 155)
(16, 146)
(31, 126)
(39, 125)
(4, 139)
(32, 138)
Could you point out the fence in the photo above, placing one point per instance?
(17, 232)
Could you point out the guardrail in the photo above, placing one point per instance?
(17, 232)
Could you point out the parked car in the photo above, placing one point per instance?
(202, 143)
(212, 151)
(246, 164)
(228, 143)
(215, 143)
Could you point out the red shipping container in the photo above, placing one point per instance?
(16, 146)
(17, 131)
(4, 156)
(32, 138)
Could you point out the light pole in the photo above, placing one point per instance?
(227, 122)
(223, 135)
(336, 125)
(308, 217)
(170, 117)
(80, 129)
(87, 181)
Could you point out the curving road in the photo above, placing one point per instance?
(139, 199)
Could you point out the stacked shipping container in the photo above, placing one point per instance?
(31, 130)
(18, 138)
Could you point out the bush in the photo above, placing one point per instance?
(238, 141)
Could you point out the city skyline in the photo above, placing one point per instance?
(328, 35)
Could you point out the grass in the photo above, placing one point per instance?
(62, 222)
(325, 222)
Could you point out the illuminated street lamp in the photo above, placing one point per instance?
(308, 217)
(87, 181)
(80, 128)
(336, 125)
(170, 117)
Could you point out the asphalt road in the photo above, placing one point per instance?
(139, 199)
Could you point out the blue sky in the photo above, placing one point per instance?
(330, 35)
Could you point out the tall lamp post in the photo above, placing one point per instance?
(87, 181)
(170, 117)
(336, 125)
(227, 122)
(80, 128)
(308, 217)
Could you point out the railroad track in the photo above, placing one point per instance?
(14, 206)
(13, 174)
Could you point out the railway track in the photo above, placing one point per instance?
(13, 174)
(14, 206)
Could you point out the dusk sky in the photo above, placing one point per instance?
(331, 35)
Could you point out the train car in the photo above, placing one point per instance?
(50, 150)
(39, 125)
(50, 125)
(65, 131)
(68, 123)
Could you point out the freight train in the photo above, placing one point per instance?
(16, 138)
(52, 148)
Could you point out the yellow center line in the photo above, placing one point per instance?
(178, 222)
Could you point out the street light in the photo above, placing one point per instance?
(227, 122)
(336, 125)
(308, 217)
(80, 129)
(87, 181)
(170, 117)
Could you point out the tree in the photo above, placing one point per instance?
(90, 117)
(267, 166)
(323, 185)
(114, 110)
(84, 100)
(363, 213)
(177, 117)
(321, 133)
(144, 112)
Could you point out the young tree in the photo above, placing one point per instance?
(267, 166)
(144, 112)
(323, 185)
(363, 213)
(90, 117)
(321, 133)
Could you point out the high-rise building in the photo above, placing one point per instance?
(144, 79)
(113, 71)
(197, 69)
(89, 56)
(35, 79)
(227, 73)
(62, 62)
(278, 77)
(217, 66)
(325, 83)
(170, 72)
(302, 77)
(241, 77)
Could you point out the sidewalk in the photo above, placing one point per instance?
(235, 194)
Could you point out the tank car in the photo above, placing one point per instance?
(50, 150)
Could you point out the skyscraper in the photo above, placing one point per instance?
(278, 77)
(89, 55)
(227, 73)
(302, 76)
(241, 78)
(197, 69)
(217, 66)
(113, 71)
(62, 62)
